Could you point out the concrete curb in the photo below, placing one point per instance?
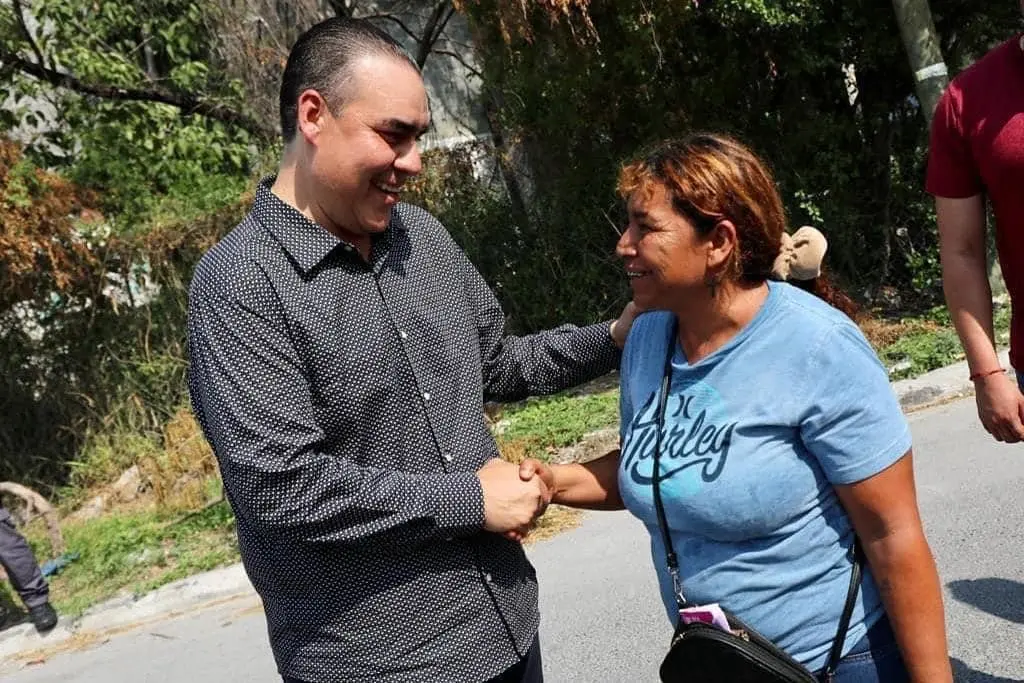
(940, 386)
(933, 388)
(124, 613)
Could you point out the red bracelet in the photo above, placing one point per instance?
(979, 375)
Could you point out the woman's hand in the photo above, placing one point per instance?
(592, 485)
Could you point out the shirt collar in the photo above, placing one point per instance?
(305, 241)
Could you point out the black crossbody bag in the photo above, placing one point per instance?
(702, 653)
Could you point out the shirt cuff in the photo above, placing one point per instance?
(607, 353)
(460, 505)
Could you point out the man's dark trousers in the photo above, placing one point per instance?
(20, 564)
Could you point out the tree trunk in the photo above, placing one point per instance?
(922, 44)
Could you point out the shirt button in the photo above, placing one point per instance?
(426, 395)
(488, 578)
(402, 334)
(447, 456)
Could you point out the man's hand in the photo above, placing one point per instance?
(510, 504)
(528, 469)
(1000, 407)
(620, 326)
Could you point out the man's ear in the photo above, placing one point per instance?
(311, 116)
(722, 242)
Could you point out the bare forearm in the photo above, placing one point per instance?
(905, 572)
(969, 297)
(593, 485)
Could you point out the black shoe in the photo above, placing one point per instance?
(43, 617)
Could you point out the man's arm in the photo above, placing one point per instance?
(969, 297)
(247, 384)
(544, 362)
(965, 277)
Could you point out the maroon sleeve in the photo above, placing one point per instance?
(952, 170)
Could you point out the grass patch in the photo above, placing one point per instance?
(909, 347)
(135, 552)
(539, 426)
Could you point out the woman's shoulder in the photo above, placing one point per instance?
(649, 335)
(810, 312)
(650, 328)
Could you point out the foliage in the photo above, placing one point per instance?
(39, 249)
(125, 147)
(132, 154)
(822, 90)
(92, 333)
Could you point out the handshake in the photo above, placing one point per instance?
(515, 495)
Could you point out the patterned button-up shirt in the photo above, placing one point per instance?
(344, 400)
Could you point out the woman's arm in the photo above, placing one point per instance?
(593, 485)
(884, 512)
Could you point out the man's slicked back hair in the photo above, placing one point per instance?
(323, 58)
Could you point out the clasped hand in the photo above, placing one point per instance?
(514, 495)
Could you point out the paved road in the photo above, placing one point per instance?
(602, 621)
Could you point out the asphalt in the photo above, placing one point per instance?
(602, 620)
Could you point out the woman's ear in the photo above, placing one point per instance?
(722, 242)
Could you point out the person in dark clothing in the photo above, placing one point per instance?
(24, 574)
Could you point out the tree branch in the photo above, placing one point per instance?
(395, 20)
(432, 31)
(459, 58)
(28, 35)
(188, 104)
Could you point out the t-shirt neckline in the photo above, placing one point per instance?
(770, 303)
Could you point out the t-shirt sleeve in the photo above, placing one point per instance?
(645, 345)
(625, 404)
(952, 169)
(852, 424)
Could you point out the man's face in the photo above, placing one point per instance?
(361, 157)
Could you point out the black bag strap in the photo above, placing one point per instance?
(670, 554)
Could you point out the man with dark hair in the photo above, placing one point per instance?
(977, 152)
(23, 571)
(342, 347)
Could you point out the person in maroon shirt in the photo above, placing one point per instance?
(977, 153)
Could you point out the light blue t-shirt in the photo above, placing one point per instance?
(755, 435)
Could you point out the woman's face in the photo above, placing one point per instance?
(666, 260)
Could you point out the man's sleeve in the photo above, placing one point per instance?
(952, 169)
(256, 408)
(542, 363)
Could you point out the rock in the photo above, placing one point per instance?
(590, 447)
(129, 485)
(91, 510)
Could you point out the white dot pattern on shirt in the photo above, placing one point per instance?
(344, 404)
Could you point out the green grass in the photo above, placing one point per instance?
(543, 424)
(136, 552)
(934, 345)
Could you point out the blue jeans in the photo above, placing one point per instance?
(875, 659)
